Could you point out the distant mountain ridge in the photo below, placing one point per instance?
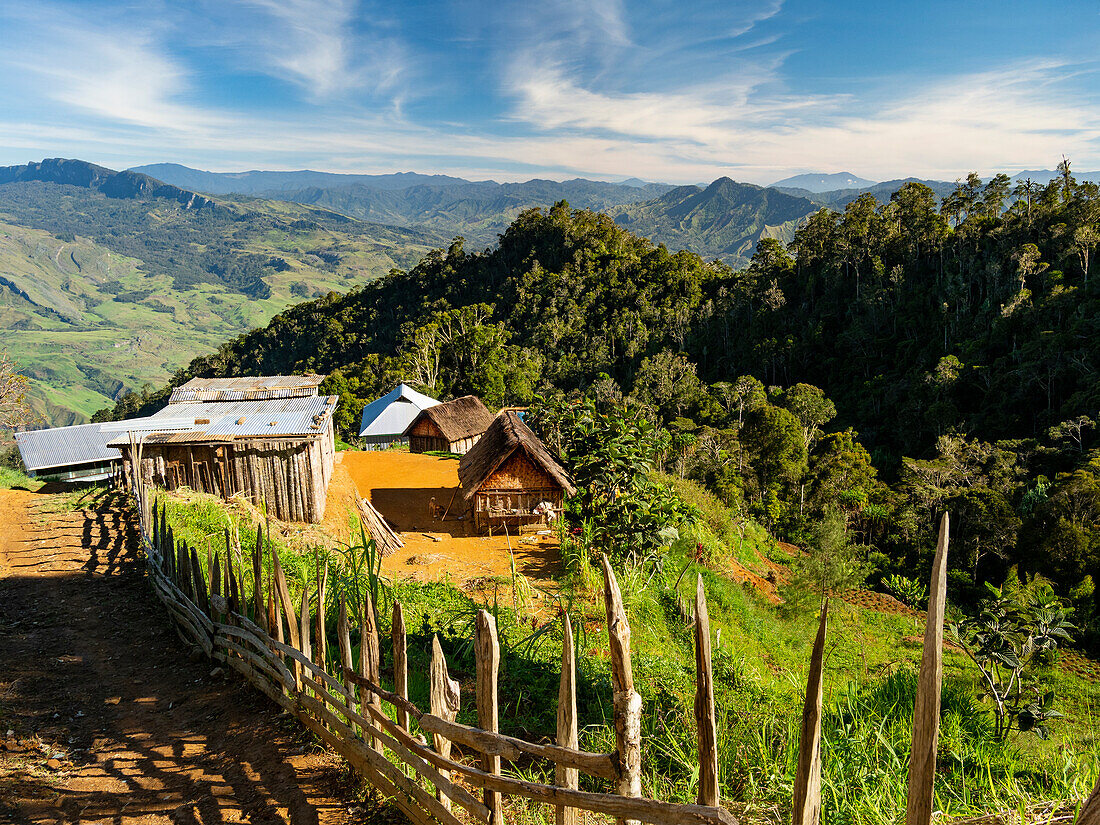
(725, 220)
(258, 182)
(128, 184)
(823, 182)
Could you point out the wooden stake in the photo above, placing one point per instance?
(704, 703)
(926, 711)
(369, 653)
(806, 807)
(202, 600)
(322, 640)
(444, 699)
(284, 599)
(487, 657)
(567, 721)
(1090, 811)
(258, 580)
(400, 661)
(343, 638)
(627, 703)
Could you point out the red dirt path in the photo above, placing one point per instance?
(94, 677)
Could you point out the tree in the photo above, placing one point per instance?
(1012, 632)
(830, 566)
(15, 409)
(669, 382)
(812, 409)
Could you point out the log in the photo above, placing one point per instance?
(444, 699)
(321, 653)
(369, 653)
(304, 628)
(487, 658)
(567, 721)
(602, 765)
(806, 805)
(400, 661)
(416, 753)
(258, 578)
(1090, 810)
(706, 727)
(926, 710)
(284, 598)
(202, 599)
(627, 704)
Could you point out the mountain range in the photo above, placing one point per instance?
(111, 280)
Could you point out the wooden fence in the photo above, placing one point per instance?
(406, 752)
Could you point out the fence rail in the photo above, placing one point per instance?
(406, 752)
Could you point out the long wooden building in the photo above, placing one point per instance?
(277, 451)
(508, 474)
(451, 427)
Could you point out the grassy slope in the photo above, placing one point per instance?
(759, 665)
(82, 346)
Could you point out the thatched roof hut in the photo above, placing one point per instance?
(452, 427)
(509, 473)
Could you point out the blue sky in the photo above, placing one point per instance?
(671, 91)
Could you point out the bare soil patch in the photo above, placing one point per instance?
(109, 720)
(401, 486)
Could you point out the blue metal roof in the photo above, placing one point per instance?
(389, 415)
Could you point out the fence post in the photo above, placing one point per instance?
(202, 599)
(369, 655)
(926, 711)
(1090, 810)
(806, 807)
(400, 661)
(487, 657)
(258, 580)
(567, 720)
(704, 703)
(284, 600)
(444, 701)
(343, 638)
(627, 702)
(321, 653)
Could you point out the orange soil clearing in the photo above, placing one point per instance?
(401, 486)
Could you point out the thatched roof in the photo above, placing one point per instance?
(505, 435)
(458, 419)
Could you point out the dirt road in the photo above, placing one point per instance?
(102, 716)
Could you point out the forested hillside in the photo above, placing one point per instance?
(111, 280)
(956, 343)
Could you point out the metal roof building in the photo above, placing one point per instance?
(385, 419)
(251, 388)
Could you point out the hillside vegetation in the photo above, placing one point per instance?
(897, 359)
(110, 281)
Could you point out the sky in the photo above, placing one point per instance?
(681, 92)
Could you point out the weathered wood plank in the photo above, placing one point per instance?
(444, 699)
(258, 577)
(806, 804)
(487, 660)
(707, 731)
(284, 599)
(567, 721)
(400, 661)
(627, 703)
(926, 711)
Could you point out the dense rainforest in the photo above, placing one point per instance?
(893, 360)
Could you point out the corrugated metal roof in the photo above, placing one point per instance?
(247, 388)
(226, 420)
(83, 443)
(393, 412)
(210, 410)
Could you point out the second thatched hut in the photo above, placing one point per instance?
(452, 427)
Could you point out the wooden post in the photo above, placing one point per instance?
(369, 654)
(343, 638)
(1090, 810)
(926, 711)
(183, 571)
(284, 599)
(258, 580)
(321, 653)
(627, 704)
(303, 624)
(487, 657)
(444, 699)
(806, 807)
(400, 661)
(202, 600)
(567, 721)
(704, 703)
(216, 575)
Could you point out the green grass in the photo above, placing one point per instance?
(10, 479)
(760, 659)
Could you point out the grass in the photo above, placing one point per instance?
(12, 479)
(760, 657)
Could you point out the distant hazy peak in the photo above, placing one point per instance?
(824, 182)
